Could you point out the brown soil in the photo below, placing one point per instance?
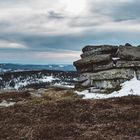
(72, 119)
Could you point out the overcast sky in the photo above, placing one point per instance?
(55, 31)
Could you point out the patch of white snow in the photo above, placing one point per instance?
(4, 103)
(115, 58)
(21, 84)
(63, 86)
(47, 79)
(61, 66)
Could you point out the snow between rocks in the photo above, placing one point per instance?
(131, 87)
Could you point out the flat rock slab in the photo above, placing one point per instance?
(113, 74)
(98, 50)
(109, 65)
(129, 53)
(93, 60)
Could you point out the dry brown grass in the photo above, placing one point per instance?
(59, 94)
(73, 119)
(15, 96)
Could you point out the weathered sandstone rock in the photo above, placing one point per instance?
(107, 66)
(93, 60)
(129, 53)
(107, 84)
(98, 50)
(138, 74)
(113, 74)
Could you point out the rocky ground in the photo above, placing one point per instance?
(62, 115)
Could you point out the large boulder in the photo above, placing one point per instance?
(107, 66)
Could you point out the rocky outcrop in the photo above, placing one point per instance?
(107, 66)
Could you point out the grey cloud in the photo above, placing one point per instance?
(127, 11)
(55, 15)
(53, 30)
(4, 24)
(110, 11)
(118, 11)
(90, 21)
(71, 42)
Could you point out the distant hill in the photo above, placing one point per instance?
(20, 67)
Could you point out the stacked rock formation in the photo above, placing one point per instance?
(107, 66)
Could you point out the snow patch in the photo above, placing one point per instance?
(47, 79)
(4, 103)
(60, 85)
(61, 66)
(21, 84)
(115, 58)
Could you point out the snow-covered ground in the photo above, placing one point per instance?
(23, 81)
(131, 87)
